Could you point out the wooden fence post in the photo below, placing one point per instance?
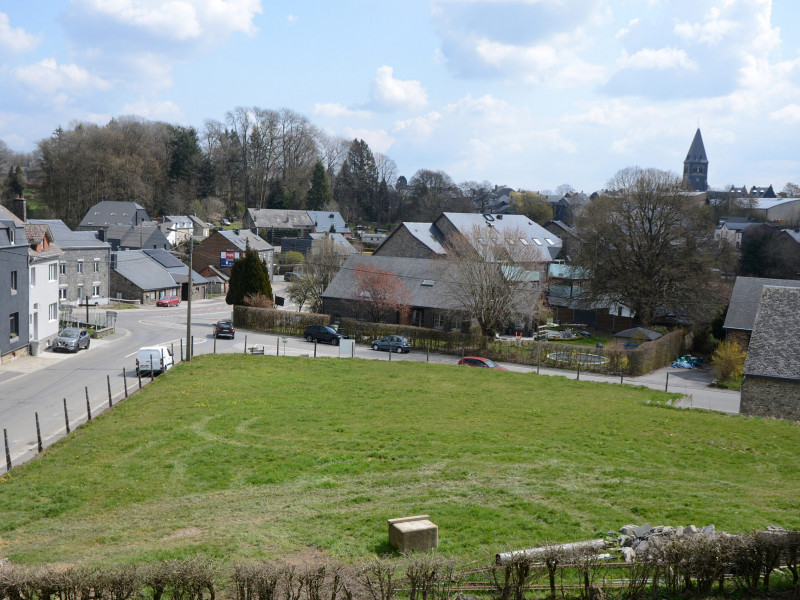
(108, 381)
(125, 380)
(88, 406)
(38, 432)
(8, 454)
(66, 414)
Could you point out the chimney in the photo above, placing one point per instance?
(21, 208)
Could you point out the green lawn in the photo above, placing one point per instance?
(236, 456)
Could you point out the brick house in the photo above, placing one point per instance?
(220, 249)
(771, 386)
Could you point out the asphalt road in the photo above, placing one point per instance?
(41, 385)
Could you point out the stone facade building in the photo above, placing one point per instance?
(14, 287)
(84, 269)
(744, 304)
(771, 386)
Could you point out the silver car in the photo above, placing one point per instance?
(71, 339)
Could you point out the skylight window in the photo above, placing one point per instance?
(549, 241)
(524, 242)
(428, 282)
(537, 242)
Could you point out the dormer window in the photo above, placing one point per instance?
(11, 238)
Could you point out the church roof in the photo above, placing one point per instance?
(697, 152)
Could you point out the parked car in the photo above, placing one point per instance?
(323, 333)
(71, 339)
(479, 361)
(169, 301)
(392, 343)
(226, 222)
(153, 359)
(290, 276)
(225, 328)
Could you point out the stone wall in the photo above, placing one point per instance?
(769, 397)
(72, 279)
(739, 335)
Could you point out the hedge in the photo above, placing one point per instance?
(634, 362)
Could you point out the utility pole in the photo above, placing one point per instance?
(189, 304)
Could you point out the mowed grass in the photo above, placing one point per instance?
(237, 457)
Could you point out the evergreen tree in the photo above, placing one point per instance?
(357, 182)
(15, 182)
(277, 196)
(320, 193)
(249, 275)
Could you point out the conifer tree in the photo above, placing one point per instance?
(320, 193)
(249, 275)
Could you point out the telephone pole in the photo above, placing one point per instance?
(189, 304)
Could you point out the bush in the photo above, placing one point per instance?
(291, 258)
(728, 360)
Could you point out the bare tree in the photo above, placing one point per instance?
(494, 276)
(381, 292)
(323, 261)
(387, 168)
(645, 245)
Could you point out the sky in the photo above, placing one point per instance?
(526, 93)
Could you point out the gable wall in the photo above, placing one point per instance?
(402, 243)
(765, 397)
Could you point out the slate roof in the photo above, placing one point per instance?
(773, 345)
(412, 272)
(181, 221)
(428, 234)
(340, 242)
(533, 232)
(146, 274)
(767, 203)
(793, 233)
(241, 238)
(280, 219)
(323, 219)
(735, 225)
(141, 236)
(745, 299)
(106, 213)
(68, 239)
(697, 151)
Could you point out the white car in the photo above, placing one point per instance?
(155, 359)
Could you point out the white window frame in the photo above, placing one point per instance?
(96, 266)
(53, 312)
(62, 293)
(62, 268)
(80, 266)
(52, 271)
(95, 290)
(438, 320)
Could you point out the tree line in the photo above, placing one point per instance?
(253, 158)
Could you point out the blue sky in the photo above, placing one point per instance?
(527, 93)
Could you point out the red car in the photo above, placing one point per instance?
(477, 361)
(169, 301)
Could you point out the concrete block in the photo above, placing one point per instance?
(413, 533)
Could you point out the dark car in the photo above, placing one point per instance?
(169, 301)
(479, 361)
(71, 339)
(323, 333)
(392, 343)
(224, 329)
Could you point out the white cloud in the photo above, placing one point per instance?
(292, 18)
(711, 32)
(15, 40)
(419, 128)
(661, 59)
(154, 110)
(48, 77)
(626, 30)
(397, 93)
(334, 110)
(789, 114)
(178, 19)
(378, 139)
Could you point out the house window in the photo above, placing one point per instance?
(13, 282)
(33, 276)
(95, 290)
(80, 266)
(11, 235)
(455, 323)
(80, 293)
(62, 293)
(438, 321)
(52, 272)
(13, 324)
(62, 268)
(96, 266)
(53, 311)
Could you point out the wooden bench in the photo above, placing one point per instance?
(413, 533)
(259, 350)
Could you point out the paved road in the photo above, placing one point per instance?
(41, 384)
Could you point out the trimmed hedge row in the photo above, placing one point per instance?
(617, 360)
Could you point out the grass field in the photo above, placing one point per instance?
(236, 456)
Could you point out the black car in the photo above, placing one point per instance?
(224, 329)
(323, 333)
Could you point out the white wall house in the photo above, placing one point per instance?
(43, 281)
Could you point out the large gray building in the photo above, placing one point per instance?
(84, 267)
(14, 286)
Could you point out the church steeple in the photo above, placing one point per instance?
(695, 167)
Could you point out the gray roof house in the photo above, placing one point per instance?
(276, 218)
(106, 213)
(147, 275)
(743, 307)
(221, 248)
(128, 237)
(323, 221)
(771, 385)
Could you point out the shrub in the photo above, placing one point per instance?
(292, 258)
(728, 360)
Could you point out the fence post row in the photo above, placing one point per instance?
(125, 380)
(108, 381)
(8, 454)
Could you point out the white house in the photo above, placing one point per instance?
(44, 278)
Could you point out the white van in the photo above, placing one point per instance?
(153, 358)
